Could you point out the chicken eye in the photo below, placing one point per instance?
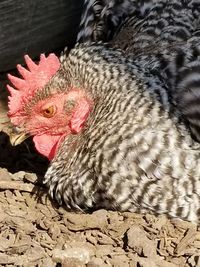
(49, 112)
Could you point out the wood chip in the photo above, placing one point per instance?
(15, 185)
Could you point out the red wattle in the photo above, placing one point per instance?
(47, 145)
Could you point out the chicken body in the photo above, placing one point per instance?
(169, 30)
(134, 154)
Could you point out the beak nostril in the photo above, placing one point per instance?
(16, 130)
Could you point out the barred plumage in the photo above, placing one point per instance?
(184, 73)
(102, 18)
(170, 31)
(135, 153)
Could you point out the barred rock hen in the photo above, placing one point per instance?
(169, 30)
(115, 142)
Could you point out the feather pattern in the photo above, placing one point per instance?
(168, 30)
(135, 153)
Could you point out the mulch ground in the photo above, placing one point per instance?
(35, 231)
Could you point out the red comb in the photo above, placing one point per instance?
(33, 79)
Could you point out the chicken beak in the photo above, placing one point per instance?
(17, 138)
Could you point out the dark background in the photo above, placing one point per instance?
(36, 26)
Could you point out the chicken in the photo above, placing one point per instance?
(114, 141)
(169, 30)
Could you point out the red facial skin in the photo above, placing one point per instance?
(54, 118)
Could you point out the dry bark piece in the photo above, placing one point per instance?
(79, 222)
(80, 254)
(21, 225)
(15, 185)
(194, 260)
(18, 176)
(5, 243)
(161, 221)
(96, 262)
(140, 243)
(54, 231)
(104, 239)
(119, 260)
(71, 262)
(32, 178)
(186, 240)
(5, 259)
(5, 175)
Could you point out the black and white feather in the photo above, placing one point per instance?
(102, 18)
(169, 30)
(135, 154)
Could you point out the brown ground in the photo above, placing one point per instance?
(34, 231)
